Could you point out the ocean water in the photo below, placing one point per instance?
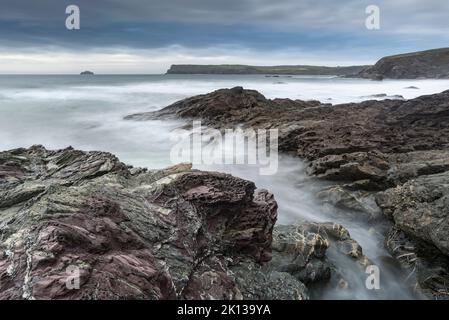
(87, 113)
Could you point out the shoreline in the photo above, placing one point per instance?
(360, 169)
(369, 165)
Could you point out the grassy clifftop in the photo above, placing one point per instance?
(271, 70)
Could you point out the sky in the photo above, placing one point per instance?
(147, 36)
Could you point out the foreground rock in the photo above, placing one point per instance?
(431, 64)
(420, 238)
(387, 157)
(300, 252)
(131, 233)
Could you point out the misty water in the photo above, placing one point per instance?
(87, 113)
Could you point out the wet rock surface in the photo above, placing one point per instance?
(130, 234)
(311, 252)
(313, 130)
(386, 158)
(420, 238)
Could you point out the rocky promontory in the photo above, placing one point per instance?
(430, 64)
(393, 154)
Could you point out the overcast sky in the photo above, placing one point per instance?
(137, 36)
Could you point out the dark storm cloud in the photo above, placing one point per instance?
(291, 15)
(267, 27)
(317, 12)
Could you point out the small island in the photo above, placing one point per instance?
(87, 73)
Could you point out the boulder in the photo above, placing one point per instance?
(301, 251)
(427, 268)
(419, 240)
(360, 203)
(420, 208)
(128, 234)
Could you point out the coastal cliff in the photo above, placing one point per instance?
(430, 64)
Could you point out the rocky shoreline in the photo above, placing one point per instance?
(391, 154)
(134, 233)
(178, 233)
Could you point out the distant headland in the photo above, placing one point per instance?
(87, 73)
(268, 70)
(430, 64)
